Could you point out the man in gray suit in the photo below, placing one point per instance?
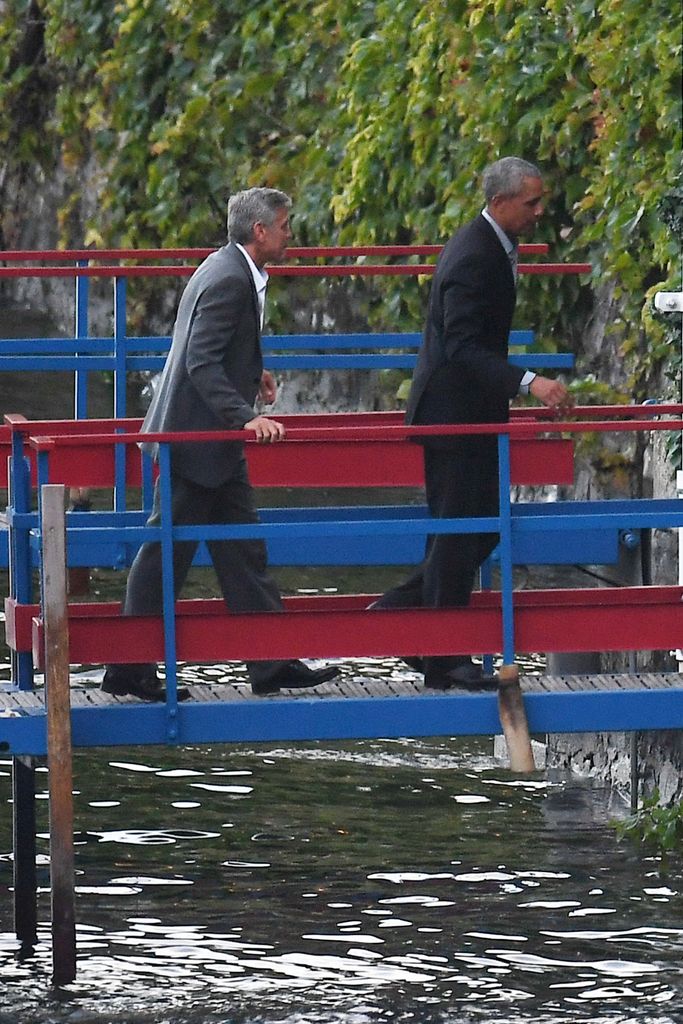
(212, 378)
(463, 376)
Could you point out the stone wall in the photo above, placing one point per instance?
(608, 757)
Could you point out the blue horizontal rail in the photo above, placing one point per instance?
(542, 534)
(121, 354)
(561, 533)
(349, 361)
(331, 718)
(269, 343)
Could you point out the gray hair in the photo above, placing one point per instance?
(505, 177)
(253, 206)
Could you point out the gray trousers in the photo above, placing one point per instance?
(240, 565)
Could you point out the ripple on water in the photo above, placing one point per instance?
(406, 881)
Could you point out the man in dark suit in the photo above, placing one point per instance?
(211, 380)
(463, 376)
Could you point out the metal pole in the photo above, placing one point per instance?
(168, 592)
(635, 781)
(59, 752)
(81, 331)
(505, 548)
(672, 302)
(634, 773)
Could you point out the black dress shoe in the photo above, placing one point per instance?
(139, 681)
(463, 677)
(294, 675)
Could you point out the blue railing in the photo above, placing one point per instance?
(120, 354)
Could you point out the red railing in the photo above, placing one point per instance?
(289, 270)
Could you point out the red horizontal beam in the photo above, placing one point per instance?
(414, 269)
(391, 464)
(82, 456)
(300, 270)
(318, 430)
(614, 619)
(323, 462)
(390, 418)
(345, 449)
(295, 252)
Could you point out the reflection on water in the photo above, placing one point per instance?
(406, 880)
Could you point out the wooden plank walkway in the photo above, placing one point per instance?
(369, 701)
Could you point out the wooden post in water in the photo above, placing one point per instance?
(59, 754)
(24, 845)
(513, 719)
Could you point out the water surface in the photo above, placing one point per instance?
(407, 880)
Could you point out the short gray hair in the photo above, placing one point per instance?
(505, 177)
(253, 206)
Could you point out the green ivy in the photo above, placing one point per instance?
(656, 826)
(378, 116)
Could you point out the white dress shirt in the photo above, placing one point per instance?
(260, 281)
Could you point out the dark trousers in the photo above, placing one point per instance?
(240, 565)
(460, 482)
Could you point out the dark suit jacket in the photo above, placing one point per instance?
(462, 373)
(213, 372)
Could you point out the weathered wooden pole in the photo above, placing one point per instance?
(59, 753)
(513, 719)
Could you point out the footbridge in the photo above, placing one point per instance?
(337, 453)
(370, 451)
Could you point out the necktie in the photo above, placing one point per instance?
(513, 256)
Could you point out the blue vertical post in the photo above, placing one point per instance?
(120, 457)
(120, 450)
(23, 768)
(168, 592)
(147, 481)
(43, 471)
(485, 581)
(119, 347)
(81, 331)
(505, 547)
(20, 564)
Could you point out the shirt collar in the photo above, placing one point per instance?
(260, 278)
(505, 240)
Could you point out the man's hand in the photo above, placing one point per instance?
(266, 430)
(267, 391)
(551, 393)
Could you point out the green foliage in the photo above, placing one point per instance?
(589, 390)
(377, 115)
(656, 826)
(23, 138)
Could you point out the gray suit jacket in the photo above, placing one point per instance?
(213, 371)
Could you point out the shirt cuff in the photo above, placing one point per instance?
(526, 380)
